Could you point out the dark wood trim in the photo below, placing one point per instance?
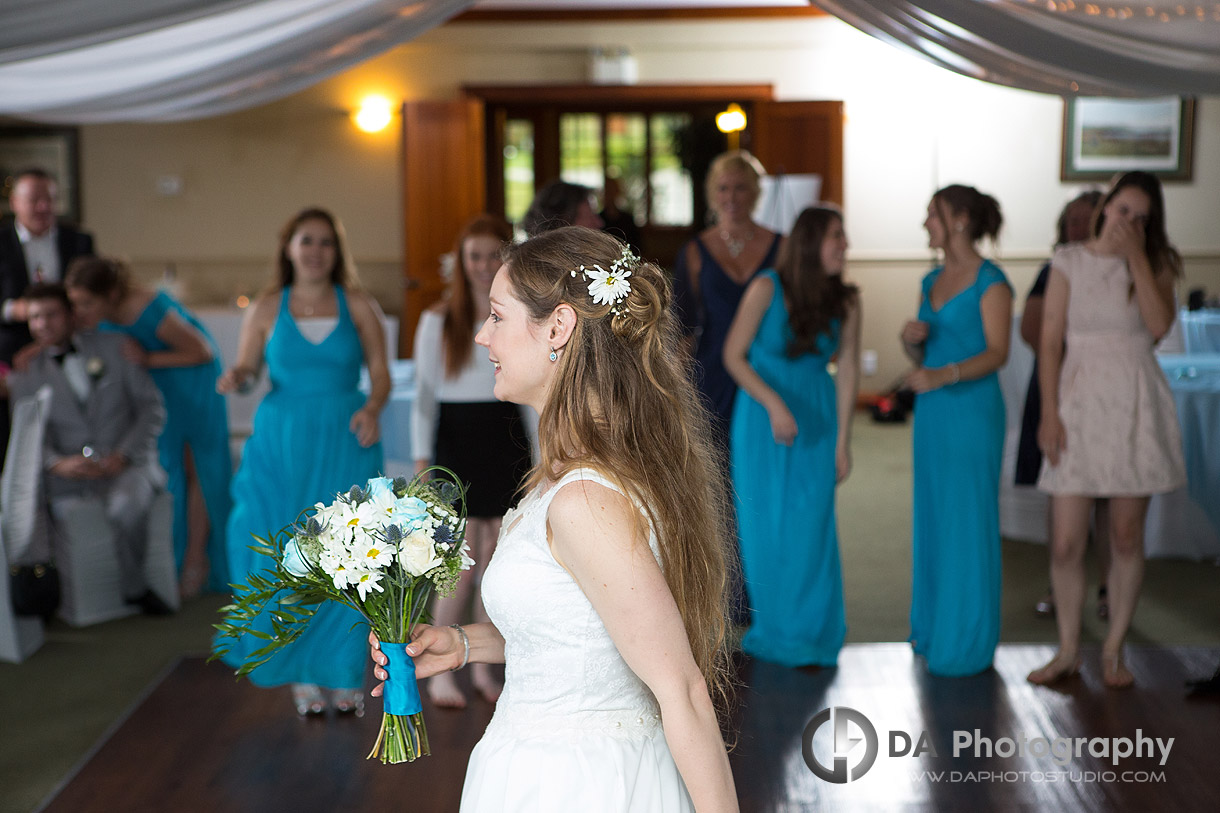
(629, 15)
(618, 95)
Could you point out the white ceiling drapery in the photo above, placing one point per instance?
(84, 61)
(1097, 48)
(87, 61)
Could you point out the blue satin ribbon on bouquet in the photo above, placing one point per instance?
(401, 695)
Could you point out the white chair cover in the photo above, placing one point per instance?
(23, 518)
(23, 525)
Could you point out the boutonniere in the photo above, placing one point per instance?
(94, 366)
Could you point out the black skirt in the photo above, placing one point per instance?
(1029, 456)
(486, 445)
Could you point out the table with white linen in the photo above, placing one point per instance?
(1184, 523)
(396, 418)
(1200, 330)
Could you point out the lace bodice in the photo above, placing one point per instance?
(563, 674)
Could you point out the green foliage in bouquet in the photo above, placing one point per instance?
(380, 549)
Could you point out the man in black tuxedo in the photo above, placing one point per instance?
(34, 247)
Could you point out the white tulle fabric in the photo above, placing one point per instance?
(575, 729)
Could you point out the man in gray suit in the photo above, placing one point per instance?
(102, 427)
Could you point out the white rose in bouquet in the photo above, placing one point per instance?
(417, 552)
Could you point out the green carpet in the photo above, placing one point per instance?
(57, 705)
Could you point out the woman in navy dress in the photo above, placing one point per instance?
(958, 342)
(710, 275)
(712, 271)
(790, 439)
(315, 434)
(184, 362)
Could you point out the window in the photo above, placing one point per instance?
(637, 151)
(518, 167)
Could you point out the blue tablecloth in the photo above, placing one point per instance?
(1195, 382)
(1200, 330)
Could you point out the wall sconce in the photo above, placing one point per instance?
(731, 121)
(374, 114)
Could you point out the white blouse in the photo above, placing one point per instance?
(475, 382)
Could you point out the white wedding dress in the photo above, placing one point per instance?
(575, 729)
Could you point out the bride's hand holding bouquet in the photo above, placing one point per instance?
(382, 550)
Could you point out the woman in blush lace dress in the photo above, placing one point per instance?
(1109, 426)
(607, 588)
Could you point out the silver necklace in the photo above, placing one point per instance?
(735, 245)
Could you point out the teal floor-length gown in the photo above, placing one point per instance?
(195, 416)
(302, 452)
(958, 448)
(786, 501)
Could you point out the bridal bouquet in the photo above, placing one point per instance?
(380, 549)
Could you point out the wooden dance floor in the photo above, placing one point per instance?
(201, 741)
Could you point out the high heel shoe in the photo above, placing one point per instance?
(1054, 671)
(308, 699)
(348, 701)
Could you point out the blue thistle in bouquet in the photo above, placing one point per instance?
(382, 549)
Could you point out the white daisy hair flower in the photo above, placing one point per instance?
(613, 286)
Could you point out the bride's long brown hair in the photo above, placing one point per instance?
(623, 403)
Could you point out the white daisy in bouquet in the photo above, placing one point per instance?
(381, 548)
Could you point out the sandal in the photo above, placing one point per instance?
(348, 701)
(308, 699)
(1103, 604)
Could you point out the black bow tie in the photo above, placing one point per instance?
(60, 353)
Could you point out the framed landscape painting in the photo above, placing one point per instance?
(53, 149)
(1103, 136)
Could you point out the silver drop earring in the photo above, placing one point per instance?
(554, 356)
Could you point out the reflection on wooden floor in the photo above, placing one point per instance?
(200, 741)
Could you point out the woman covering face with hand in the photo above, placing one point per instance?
(1109, 427)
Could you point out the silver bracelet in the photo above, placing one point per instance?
(957, 373)
(465, 647)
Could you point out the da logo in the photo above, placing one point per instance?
(844, 750)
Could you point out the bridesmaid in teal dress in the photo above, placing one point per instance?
(184, 362)
(314, 435)
(789, 441)
(958, 342)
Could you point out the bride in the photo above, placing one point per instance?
(607, 587)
